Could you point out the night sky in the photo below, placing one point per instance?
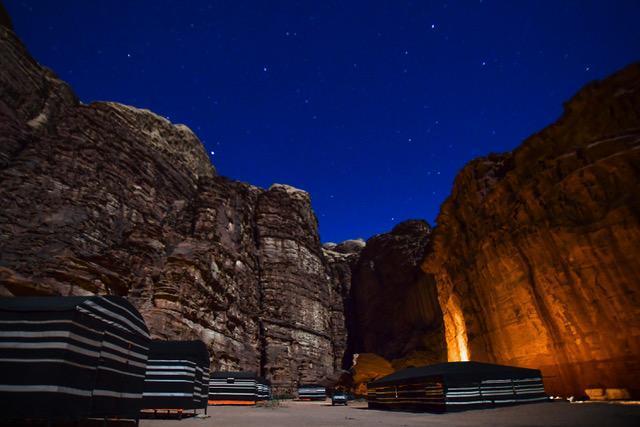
(372, 107)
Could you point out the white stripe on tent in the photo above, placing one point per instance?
(44, 389)
(124, 351)
(154, 394)
(129, 374)
(136, 317)
(117, 358)
(45, 322)
(185, 373)
(143, 348)
(49, 334)
(172, 360)
(176, 367)
(50, 344)
(111, 314)
(148, 380)
(109, 393)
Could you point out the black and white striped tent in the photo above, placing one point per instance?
(455, 386)
(263, 388)
(177, 375)
(237, 388)
(312, 392)
(71, 358)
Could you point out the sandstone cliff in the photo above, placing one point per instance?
(106, 198)
(393, 308)
(536, 251)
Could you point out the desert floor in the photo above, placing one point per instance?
(315, 414)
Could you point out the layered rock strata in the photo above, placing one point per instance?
(110, 199)
(536, 251)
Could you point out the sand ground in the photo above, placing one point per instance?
(316, 414)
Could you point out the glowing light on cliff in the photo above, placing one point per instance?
(455, 331)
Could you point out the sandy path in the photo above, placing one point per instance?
(313, 414)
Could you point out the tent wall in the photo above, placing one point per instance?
(312, 392)
(71, 358)
(233, 389)
(238, 388)
(456, 386)
(175, 374)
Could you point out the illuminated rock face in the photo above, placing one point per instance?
(110, 199)
(536, 253)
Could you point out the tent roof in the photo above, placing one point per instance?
(194, 350)
(234, 374)
(458, 369)
(56, 303)
(108, 308)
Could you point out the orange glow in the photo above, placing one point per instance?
(455, 331)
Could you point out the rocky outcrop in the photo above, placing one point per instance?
(368, 367)
(110, 199)
(394, 304)
(341, 259)
(536, 251)
(295, 290)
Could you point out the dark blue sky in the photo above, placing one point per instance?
(372, 107)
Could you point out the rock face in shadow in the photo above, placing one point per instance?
(341, 259)
(110, 199)
(536, 251)
(394, 305)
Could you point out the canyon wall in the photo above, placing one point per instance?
(109, 199)
(536, 251)
(393, 307)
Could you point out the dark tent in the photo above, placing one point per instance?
(456, 386)
(70, 358)
(237, 388)
(312, 392)
(177, 375)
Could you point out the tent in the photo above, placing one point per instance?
(71, 358)
(263, 388)
(237, 388)
(312, 392)
(177, 375)
(456, 386)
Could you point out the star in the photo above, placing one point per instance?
(213, 153)
(128, 55)
(484, 63)
(433, 26)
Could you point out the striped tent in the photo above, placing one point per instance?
(237, 388)
(71, 358)
(263, 388)
(456, 386)
(312, 392)
(177, 375)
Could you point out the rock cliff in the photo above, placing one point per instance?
(107, 198)
(394, 306)
(536, 251)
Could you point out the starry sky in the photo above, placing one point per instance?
(371, 106)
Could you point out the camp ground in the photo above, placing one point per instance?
(456, 386)
(312, 392)
(177, 377)
(71, 358)
(237, 388)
